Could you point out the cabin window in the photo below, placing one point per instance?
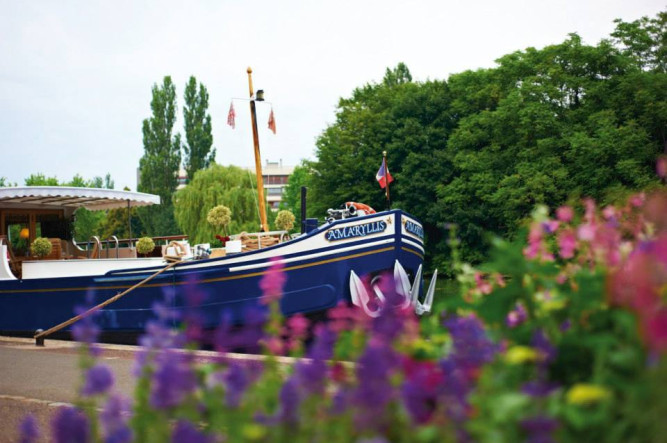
(22, 227)
(18, 233)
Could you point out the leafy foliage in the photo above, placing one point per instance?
(145, 245)
(219, 217)
(198, 135)
(230, 186)
(161, 160)
(292, 195)
(482, 148)
(284, 220)
(41, 247)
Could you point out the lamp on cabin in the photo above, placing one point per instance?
(24, 234)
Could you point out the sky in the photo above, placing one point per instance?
(76, 76)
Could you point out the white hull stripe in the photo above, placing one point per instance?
(312, 256)
(413, 244)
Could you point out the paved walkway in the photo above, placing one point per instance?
(39, 380)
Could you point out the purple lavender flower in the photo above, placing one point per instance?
(99, 379)
(375, 390)
(311, 373)
(542, 344)
(85, 330)
(114, 418)
(28, 429)
(194, 317)
(538, 388)
(470, 351)
(173, 379)
(236, 381)
(472, 348)
(70, 425)
(420, 389)
(290, 400)
(229, 336)
(340, 401)
(184, 431)
(539, 429)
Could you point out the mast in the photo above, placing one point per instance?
(258, 161)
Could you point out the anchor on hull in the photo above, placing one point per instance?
(409, 293)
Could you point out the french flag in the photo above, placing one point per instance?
(383, 176)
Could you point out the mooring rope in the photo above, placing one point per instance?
(103, 304)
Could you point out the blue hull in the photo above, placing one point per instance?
(317, 267)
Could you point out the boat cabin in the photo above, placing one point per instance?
(49, 211)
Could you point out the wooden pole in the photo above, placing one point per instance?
(258, 161)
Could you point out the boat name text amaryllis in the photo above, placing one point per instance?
(414, 229)
(356, 231)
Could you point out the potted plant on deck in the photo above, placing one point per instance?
(41, 247)
(219, 217)
(145, 246)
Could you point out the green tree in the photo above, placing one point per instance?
(218, 185)
(86, 223)
(301, 176)
(161, 160)
(198, 135)
(480, 150)
(644, 40)
(40, 179)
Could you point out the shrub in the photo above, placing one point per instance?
(219, 217)
(285, 220)
(145, 245)
(41, 247)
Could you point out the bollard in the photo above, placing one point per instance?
(39, 341)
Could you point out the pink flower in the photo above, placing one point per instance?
(565, 214)
(550, 226)
(516, 316)
(567, 243)
(586, 232)
(637, 200)
(656, 330)
(274, 345)
(298, 325)
(589, 203)
(273, 281)
(483, 286)
(534, 241)
(609, 212)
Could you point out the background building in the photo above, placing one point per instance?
(275, 176)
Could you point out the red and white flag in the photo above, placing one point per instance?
(272, 122)
(231, 117)
(383, 176)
